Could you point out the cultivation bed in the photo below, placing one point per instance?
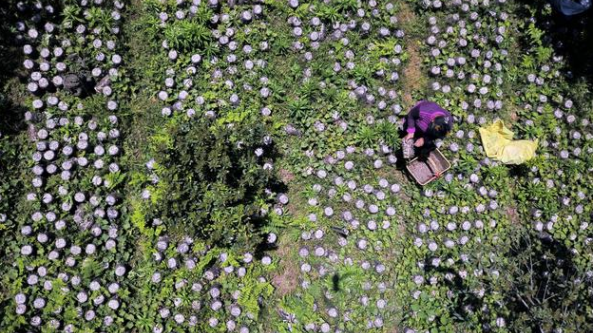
(226, 81)
(426, 171)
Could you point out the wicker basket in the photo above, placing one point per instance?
(408, 148)
(426, 171)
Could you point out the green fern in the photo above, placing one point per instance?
(114, 179)
(138, 216)
(366, 136)
(187, 35)
(250, 294)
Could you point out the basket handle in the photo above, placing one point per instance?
(432, 165)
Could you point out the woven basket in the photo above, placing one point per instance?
(408, 148)
(426, 171)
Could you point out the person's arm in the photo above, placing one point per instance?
(424, 150)
(411, 120)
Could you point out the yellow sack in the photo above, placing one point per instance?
(495, 137)
(498, 144)
(518, 151)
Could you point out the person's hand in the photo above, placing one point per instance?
(409, 136)
(419, 142)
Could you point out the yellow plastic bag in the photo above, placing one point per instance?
(498, 144)
(495, 137)
(518, 151)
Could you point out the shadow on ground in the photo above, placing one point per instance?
(11, 112)
(542, 284)
(570, 36)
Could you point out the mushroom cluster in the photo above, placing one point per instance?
(70, 241)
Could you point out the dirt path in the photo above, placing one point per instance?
(413, 80)
(286, 280)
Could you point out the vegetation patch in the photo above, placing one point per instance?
(235, 166)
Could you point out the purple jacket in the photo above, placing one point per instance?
(422, 114)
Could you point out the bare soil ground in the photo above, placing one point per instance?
(413, 80)
(398, 176)
(285, 175)
(513, 215)
(286, 280)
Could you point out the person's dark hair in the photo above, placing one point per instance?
(439, 127)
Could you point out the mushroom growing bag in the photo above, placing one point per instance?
(499, 144)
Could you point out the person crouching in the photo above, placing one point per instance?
(425, 123)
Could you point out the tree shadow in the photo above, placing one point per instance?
(547, 289)
(542, 285)
(569, 36)
(11, 112)
(336, 282)
(263, 246)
